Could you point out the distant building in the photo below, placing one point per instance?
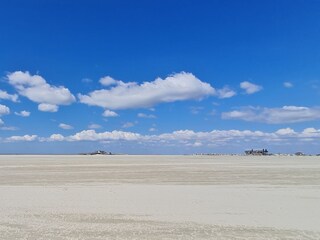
(299, 154)
(256, 152)
(99, 152)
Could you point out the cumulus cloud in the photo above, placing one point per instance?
(25, 138)
(225, 92)
(36, 89)
(23, 113)
(249, 87)
(4, 110)
(285, 114)
(92, 135)
(311, 133)
(286, 132)
(230, 136)
(46, 107)
(176, 87)
(108, 113)
(107, 81)
(65, 126)
(196, 139)
(94, 126)
(288, 84)
(308, 134)
(7, 96)
(55, 138)
(143, 115)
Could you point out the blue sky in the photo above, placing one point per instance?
(163, 76)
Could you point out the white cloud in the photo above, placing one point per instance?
(128, 125)
(46, 107)
(4, 110)
(176, 87)
(7, 96)
(197, 144)
(92, 135)
(288, 84)
(311, 133)
(65, 126)
(6, 128)
(250, 88)
(143, 115)
(23, 113)
(94, 126)
(231, 136)
(247, 115)
(286, 114)
(36, 89)
(107, 81)
(285, 132)
(26, 138)
(56, 138)
(108, 113)
(225, 92)
(213, 135)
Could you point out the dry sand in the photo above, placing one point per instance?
(159, 197)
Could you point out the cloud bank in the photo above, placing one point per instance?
(187, 137)
(285, 114)
(25, 138)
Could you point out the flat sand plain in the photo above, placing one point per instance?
(159, 197)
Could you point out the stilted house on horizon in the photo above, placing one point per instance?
(257, 152)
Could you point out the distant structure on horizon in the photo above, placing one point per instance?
(99, 152)
(257, 152)
(299, 154)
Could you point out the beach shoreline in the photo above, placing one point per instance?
(157, 197)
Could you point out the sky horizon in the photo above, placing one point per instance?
(159, 77)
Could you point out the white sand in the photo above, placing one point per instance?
(159, 197)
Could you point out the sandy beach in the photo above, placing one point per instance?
(159, 197)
